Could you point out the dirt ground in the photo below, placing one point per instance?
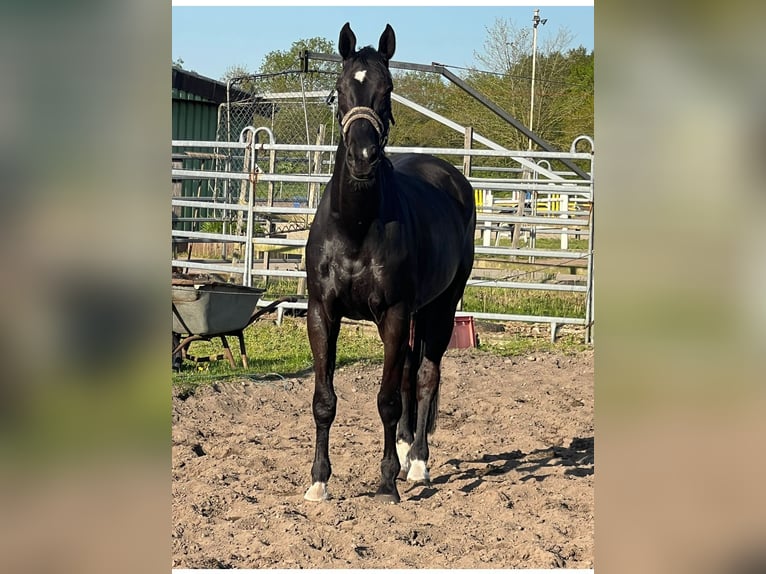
(511, 466)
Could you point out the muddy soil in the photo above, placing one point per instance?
(511, 466)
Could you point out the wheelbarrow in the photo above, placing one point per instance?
(203, 310)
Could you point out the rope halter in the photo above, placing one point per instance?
(360, 113)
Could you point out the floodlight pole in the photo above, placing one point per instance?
(535, 21)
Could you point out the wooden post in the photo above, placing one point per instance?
(526, 174)
(313, 187)
(487, 205)
(467, 144)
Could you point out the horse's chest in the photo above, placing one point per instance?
(367, 285)
(362, 276)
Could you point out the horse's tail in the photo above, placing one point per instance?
(409, 386)
(416, 354)
(433, 408)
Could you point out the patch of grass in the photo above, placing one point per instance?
(277, 286)
(552, 243)
(522, 345)
(555, 243)
(524, 302)
(277, 351)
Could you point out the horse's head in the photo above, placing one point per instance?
(364, 101)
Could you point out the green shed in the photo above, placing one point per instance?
(196, 101)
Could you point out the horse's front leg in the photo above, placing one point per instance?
(323, 336)
(394, 331)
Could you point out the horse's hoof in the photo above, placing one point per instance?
(317, 492)
(388, 497)
(418, 472)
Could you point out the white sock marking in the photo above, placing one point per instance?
(359, 76)
(418, 472)
(317, 492)
(402, 449)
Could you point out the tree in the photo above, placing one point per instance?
(580, 90)
(280, 70)
(321, 76)
(415, 129)
(239, 73)
(505, 46)
(563, 84)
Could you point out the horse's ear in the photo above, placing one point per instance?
(346, 42)
(387, 43)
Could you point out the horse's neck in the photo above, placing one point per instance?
(356, 208)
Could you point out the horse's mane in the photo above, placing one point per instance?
(365, 54)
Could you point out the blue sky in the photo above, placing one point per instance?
(211, 39)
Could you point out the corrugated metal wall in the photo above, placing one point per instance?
(193, 119)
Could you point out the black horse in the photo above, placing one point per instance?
(392, 242)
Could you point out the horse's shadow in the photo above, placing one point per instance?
(578, 458)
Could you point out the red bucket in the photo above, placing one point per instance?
(463, 334)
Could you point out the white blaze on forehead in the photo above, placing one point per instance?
(359, 76)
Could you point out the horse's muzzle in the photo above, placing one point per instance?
(362, 162)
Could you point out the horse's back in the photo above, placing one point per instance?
(440, 175)
(438, 213)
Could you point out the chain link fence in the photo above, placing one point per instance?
(295, 118)
(305, 115)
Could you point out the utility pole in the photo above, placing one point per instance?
(521, 203)
(536, 20)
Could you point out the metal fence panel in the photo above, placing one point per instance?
(281, 221)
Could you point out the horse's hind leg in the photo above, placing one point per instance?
(436, 321)
(429, 375)
(323, 336)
